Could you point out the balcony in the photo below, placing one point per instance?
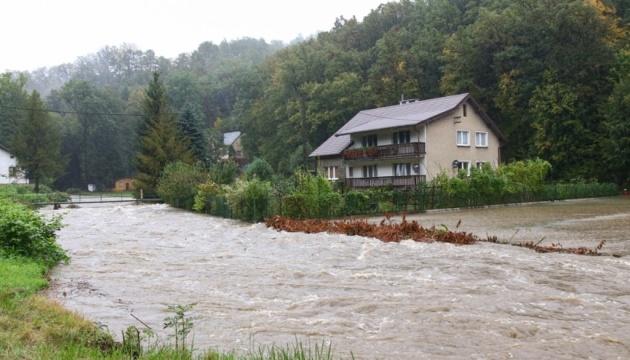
(385, 152)
(394, 181)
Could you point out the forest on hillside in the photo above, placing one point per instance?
(554, 74)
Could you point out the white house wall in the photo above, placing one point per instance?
(6, 162)
(385, 167)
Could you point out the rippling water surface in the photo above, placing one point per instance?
(377, 300)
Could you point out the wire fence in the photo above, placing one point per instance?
(335, 205)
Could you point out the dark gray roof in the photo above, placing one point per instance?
(403, 115)
(230, 138)
(5, 149)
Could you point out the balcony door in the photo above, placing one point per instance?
(401, 137)
(370, 140)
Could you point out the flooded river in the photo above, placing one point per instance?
(377, 300)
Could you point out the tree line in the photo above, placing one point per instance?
(553, 74)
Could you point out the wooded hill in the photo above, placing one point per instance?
(554, 74)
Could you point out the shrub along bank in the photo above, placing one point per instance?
(258, 195)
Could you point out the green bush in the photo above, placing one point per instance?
(250, 200)
(527, 175)
(23, 232)
(224, 172)
(179, 183)
(313, 197)
(206, 193)
(357, 202)
(259, 169)
(24, 194)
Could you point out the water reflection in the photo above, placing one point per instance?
(378, 300)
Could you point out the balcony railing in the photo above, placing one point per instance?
(395, 181)
(386, 151)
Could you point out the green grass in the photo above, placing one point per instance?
(21, 277)
(35, 327)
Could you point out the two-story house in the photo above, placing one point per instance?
(412, 142)
(234, 146)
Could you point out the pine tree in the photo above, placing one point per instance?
(190, 125)
(36, 143)
(161, 142)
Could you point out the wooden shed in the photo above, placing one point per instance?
(124, 184)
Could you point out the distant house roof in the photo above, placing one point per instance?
(230, 138)
(407, 114)
(3, 148)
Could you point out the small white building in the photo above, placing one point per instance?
(9, 171)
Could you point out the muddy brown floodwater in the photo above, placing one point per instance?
(377, 300)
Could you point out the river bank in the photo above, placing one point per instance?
(407, 300)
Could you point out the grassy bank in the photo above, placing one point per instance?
(35, 327)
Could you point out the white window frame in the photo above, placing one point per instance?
(402, 169)
(331, 172)
(481, 135)
(463, 138)
(464, 165)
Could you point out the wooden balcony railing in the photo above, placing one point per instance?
(386, 151)
(395, 181)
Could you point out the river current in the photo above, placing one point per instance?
(377, 300)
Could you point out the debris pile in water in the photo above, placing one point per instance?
(389, 231)
(386, 231)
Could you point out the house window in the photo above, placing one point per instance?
(350, 171)
(480, 164)
(481, 139)
(464, 110)
(402, 169)
(12, 171)
(464, 165)
(370, 171)
(463, 138)
(331, 172)
(370, 140)
(402, 137)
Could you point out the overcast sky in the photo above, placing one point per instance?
(38, 33)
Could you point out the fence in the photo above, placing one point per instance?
(372, 202)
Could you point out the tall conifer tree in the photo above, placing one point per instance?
(36, 143)
(161, 142)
